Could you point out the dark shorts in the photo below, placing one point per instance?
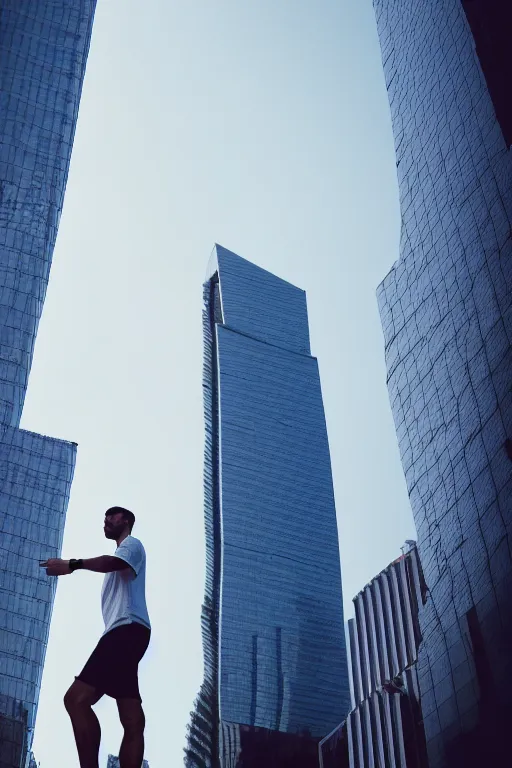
(113, 665)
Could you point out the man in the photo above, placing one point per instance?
(112, 668)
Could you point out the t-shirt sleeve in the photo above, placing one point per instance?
(132, 552)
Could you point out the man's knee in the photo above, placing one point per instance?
(79, 696)
(131, 715)
(70, 701)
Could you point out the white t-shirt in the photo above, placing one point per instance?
(123, 597)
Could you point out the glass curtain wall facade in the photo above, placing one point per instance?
(43, 51)
(384, 728)
(446, 310)
(276, 677)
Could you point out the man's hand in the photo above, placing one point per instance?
(55, 566)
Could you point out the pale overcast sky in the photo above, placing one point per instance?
(263, 126)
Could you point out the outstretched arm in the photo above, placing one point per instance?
(103, 564)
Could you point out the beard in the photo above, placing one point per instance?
(114, 532)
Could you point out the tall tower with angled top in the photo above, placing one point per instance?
(276, 675)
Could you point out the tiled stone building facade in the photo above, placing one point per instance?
(446, 309)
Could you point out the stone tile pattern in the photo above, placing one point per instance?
(446, 310)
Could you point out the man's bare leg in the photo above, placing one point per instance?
(133, 721)
(78, 702)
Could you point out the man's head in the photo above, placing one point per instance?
(118, 521)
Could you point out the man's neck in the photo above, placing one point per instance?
(122, 537)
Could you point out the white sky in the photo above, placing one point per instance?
(263, 126)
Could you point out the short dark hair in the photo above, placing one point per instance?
(128, 516)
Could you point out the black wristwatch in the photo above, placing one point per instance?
(74, 565)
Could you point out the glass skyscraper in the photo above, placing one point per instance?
(446, 309)
(43, 52)
(276, 676)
